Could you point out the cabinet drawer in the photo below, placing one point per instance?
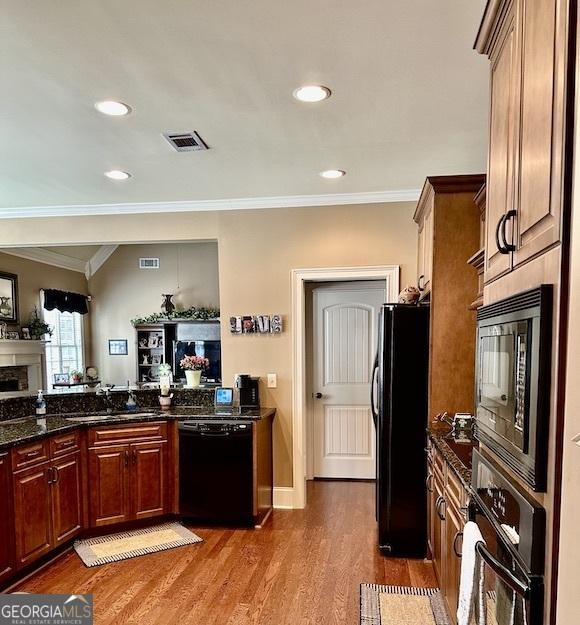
(439, 467)
(155, 431)
(64, 444)
(29, 455)
(454, 491)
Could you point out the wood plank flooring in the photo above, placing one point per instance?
(303, 568)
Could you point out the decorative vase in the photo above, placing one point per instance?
(167, 306)
(165, 402)
(192, 378)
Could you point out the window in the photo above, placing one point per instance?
(64, 353)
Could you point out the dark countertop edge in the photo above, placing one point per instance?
(66, 426)
(461, 470)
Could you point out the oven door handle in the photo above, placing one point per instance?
(506, 576)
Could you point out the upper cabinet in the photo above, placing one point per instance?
(527, 42)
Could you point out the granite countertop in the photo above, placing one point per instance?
(456, 452)
(25, 430)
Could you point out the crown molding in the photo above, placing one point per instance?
(47, 257)
(98, 259)
(281, 201)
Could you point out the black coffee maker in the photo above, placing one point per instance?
(248, 391)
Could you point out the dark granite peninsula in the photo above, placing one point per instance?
(19, 425)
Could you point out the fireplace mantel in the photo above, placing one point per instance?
(24, 353)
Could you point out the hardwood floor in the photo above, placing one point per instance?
(303, 567)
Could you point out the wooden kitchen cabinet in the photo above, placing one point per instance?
(32, 513)
(149, 479)
(109, 485)
(449, 223)
(445, 530)
(128, 481)
(48, 500)
(66, 498)
(528, 44)
(6, 519)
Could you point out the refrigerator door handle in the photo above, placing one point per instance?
(373, 378)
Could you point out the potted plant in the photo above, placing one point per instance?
(193, 366)
(38, 328)
(76, 376)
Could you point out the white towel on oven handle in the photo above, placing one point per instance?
(472, 582)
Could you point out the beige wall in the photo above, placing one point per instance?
(122, 291)
(33, 276)
(257, 250)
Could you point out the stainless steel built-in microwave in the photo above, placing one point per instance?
(513, 381)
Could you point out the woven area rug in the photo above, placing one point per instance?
(401, 605)
(115, 547)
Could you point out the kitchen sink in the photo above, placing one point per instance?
(103, 416)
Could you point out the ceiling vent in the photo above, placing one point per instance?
(149, 263)
(185, 141)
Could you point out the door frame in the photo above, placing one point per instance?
(388, 273)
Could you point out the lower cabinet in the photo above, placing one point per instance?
(127, 482)
(47, 506)
(446, 501)
(67, 498)
(6, 519)
(32, 513)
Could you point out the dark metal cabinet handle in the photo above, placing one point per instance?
(457, 537)
(440, 514)
(501, 248)
(421, 288)
(134, 456)
(126, 458)
(49, 475)
(508, 247)
(429, 483)
(56, 475)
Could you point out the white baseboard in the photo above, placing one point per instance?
(283, 497)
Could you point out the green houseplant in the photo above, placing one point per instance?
(38, 328)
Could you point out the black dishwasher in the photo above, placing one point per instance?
(216, 472)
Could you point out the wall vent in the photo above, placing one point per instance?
(149, 263)
(186, 141)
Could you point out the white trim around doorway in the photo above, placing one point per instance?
(389, 273)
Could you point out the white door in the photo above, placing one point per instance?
(345, 338)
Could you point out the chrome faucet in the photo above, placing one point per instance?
(108, 397)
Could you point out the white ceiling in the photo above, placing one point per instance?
(409, 97)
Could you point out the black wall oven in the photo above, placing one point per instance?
(513, 381)
(513, 528)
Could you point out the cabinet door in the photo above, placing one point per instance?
(32, 513)
(428, 252)
(452, 528)
(109, 500)
(502, 143)
(542, 101)
(6, 519)
(66, 496)
(421, 255)
(430, 506)
(438, 526)
(148, 479)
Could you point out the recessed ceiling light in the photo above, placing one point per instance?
(117, 174)
(110, 107)
(333, 173)
(311, 93)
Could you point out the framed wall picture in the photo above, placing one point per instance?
(236, 324)
(8, 297)
(249, 324)
(276, 324)
(263, 324)
(118, 347)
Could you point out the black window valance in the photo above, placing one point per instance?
(65, 301)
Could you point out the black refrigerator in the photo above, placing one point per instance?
(400, 415)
